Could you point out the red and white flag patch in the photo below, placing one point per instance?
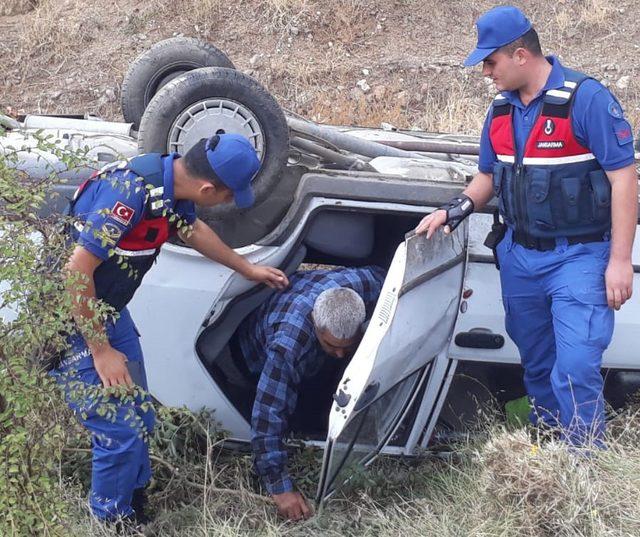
(122, 213)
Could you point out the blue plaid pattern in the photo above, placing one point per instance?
(279, 344)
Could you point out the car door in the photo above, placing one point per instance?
(412, 322)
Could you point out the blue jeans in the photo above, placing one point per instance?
(557, 314)
(119, 438)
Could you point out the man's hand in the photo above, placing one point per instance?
(292, 506)
(273, 277)
(430, 223)
(618, 279)
(111, 366)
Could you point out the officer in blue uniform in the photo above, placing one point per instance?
(557, 152)
(123, 215)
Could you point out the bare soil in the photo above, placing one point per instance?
(70, 56)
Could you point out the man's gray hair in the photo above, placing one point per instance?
(340, 311)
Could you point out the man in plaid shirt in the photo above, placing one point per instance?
(286, 340)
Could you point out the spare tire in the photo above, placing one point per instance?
(163, 62)
(214, 100)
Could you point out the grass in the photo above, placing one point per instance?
(17, 7)
(503, 483)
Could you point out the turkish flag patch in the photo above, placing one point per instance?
(122, 213)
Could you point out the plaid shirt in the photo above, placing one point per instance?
(279, 344)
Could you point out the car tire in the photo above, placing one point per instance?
(228, 101)
(157, 66)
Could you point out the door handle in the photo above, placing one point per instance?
(479, 338)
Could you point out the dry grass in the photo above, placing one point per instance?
(17, 7)
(456, 107)
(285, 16)
(55, 30)
(504, 485)
(594, 12)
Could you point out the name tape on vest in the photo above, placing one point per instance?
(551, 144)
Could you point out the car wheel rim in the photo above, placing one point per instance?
(215, 116)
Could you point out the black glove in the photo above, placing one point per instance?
(457, 210)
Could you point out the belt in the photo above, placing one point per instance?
(546, 244)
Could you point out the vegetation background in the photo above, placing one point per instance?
(338, 61)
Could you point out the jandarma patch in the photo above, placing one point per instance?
(122, 213)
(109, 233)
(615, 110)
(554, 144)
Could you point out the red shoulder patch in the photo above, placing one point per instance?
(122, 213)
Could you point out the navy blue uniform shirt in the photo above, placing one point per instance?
(110, 207)
(597, 121)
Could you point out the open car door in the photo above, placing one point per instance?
(412, 322)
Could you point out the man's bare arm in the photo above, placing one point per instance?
(109, 363)
(624, 218)
(207, 242)
(480, 190)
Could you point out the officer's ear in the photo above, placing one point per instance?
(521, 56)
(207, 188)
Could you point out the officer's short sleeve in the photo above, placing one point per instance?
(600, 125)
(116, 207)
(186, 210)
(487, 157)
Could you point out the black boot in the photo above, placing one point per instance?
(139, 504)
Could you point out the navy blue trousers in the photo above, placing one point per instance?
(557, 314)
(119, 427)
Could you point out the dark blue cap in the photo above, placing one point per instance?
(235, 162)
(496, 28)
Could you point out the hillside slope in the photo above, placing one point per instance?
(69, 56)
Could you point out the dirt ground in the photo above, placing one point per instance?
(70, 56)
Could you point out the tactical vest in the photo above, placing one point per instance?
(557, 188)
(118, 277)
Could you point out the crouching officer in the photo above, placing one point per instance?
(558, 153)
(123, 215)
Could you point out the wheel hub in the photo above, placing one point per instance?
(214, 116)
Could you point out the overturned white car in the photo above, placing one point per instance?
(436, 346)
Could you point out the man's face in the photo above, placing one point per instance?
(505, 70)
(338, 348)
(210, 195)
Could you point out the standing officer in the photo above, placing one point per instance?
(558, 153)
(123, 215)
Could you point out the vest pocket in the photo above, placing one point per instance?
(571, 187)
(501, 187)
(538, 203)
(601, 195)
(498, 174)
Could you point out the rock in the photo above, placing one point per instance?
(402, 98)
(380, 93)
(56, 95)
(294, 30)
(356, 94)
(110, 95)
(365, 72)
(362, 84)
(623, 82)
(256, 61)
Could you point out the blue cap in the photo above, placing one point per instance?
(235, 162)
(496, 28)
